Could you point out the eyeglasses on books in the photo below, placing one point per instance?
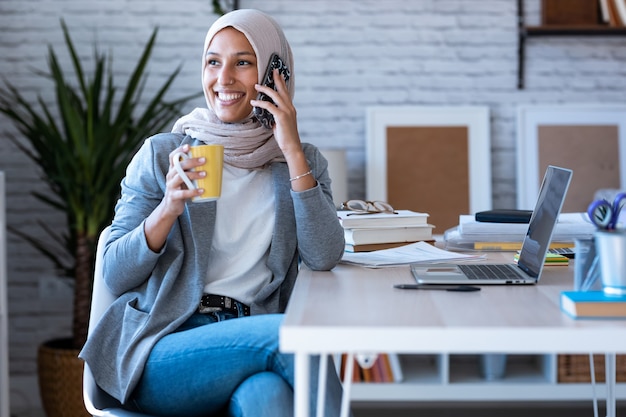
(367, 207)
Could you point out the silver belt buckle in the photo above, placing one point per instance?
(205, 310)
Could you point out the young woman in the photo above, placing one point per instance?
(201, 286)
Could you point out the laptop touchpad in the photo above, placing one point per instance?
(442, 270)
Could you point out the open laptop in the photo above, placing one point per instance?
(534, 248)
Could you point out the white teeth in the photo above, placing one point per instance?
(228, 96)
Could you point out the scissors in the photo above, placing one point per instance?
(604, 214)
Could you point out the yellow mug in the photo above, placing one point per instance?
(212, 182)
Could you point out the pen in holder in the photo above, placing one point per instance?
(586, 267)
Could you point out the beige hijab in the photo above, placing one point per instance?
(247, 144)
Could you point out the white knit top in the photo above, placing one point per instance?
(247, 195)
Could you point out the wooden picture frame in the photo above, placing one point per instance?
(589, 139)
(430, 159)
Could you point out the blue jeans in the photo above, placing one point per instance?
(214, 366)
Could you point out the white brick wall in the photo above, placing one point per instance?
(350, 54)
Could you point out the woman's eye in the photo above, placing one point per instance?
(211, 62)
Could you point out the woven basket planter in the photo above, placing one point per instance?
(61, 380)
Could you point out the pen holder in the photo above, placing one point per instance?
(586, 270)
(493, 366)
(611, 249)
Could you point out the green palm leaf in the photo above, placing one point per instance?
(82, 146)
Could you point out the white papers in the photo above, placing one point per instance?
(408, 254)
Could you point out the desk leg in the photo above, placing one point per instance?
(301, 384)
(610, 370)
(321, 385)
(347, 385)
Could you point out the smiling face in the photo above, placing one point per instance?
(229, 75)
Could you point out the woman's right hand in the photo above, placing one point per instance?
(160, 221)
(176, 192)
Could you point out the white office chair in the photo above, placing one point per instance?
(97, 402)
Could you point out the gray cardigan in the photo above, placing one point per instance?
(159, 291)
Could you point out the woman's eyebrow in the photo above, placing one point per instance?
(237, 54)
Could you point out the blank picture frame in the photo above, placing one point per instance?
(589, 139)
(432, 159)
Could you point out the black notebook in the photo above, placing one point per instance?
(504, 216)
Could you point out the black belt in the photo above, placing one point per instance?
(212, 302)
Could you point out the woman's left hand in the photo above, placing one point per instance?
(285, 120)
(286, 132)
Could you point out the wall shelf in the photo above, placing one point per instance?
(525, 32)
(574, 31)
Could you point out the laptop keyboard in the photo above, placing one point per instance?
(493, 271)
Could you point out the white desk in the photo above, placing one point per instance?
(355, 310)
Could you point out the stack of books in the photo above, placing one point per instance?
(375, 231)
(385, 368)
(472, 234)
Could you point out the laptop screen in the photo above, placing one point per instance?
(543, 220)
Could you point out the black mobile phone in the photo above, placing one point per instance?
(276, 62)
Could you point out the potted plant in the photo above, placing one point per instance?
(82, 148)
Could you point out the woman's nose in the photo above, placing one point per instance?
(226, 76)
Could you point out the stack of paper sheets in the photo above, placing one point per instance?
(419, 252)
